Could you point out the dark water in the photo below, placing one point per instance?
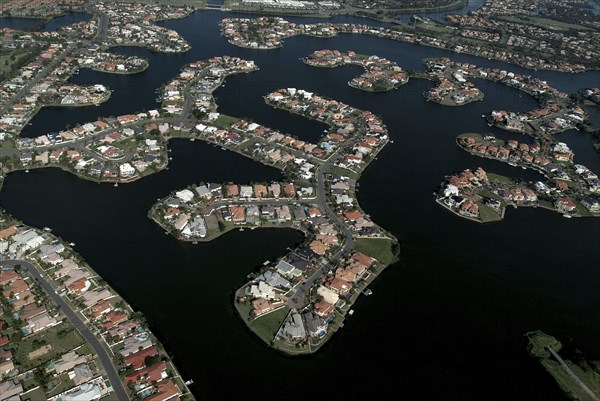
(24, 24)
(446, 323)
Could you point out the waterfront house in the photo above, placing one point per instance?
(294, 330)
(316, 326)
(137, 360)
(286, 269)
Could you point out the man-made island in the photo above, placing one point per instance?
(298, 302)
(380, 74)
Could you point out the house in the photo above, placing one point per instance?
(232, 190)
(41, 322)
(67, 362)
(79, 286)
(182, 221)
(324, 308)
(185, 195)
(113, 318)
(260, 191)
(274, 279)
(81, 373)
(10, 391)
(294, 329)
(154, 373)
(246, 191)
(260, 306)
(86, 391)
(100, 308)
(261, 290)
(564, 205)
(286, 269)
(316, 326)
(238, 214)
(346, 275)
(165, 390)
(363, 259)
(203, 192)
(138, 360)
(338, 285)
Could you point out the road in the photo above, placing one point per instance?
(103, 355)
(580, 382)
(24, 91)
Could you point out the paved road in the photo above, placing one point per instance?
(583, 386)
(103, 355)
(24, 91)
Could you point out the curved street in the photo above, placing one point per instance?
(71, 314)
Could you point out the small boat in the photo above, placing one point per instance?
(116, 184)
(27, 171)
(47, 229)
(72, 244)
(191, 381)
(351, 312)
(566, 215)
(367, 292)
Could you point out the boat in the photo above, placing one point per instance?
(47, 229)
(72, 244)
(367, 292)
(191, 381)
(566, 215)
(351, 312)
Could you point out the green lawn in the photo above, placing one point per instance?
(194, 3)
(64, 385)
(568, 384)
(267, 326)
(34, 395)
(545, 23)
(11, 60)
(378, 248)
(499, 178)
(344, 172)
(487, 214)
(225, 121)
(61, 343)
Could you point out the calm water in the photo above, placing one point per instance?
(24, 24)
(445, 323)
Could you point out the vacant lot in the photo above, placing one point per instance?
(378, 248)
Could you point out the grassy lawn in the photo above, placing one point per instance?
(267, 326)
(545, 23)
(244, 309)
(64, 385)
(499, 178)
(582, 210)
(34, 395)
(487, 214)
(378, 248)
(195, 3)
(68, 339)
(225, 121)
(344, 172)
(10, 60)
(566, 382)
